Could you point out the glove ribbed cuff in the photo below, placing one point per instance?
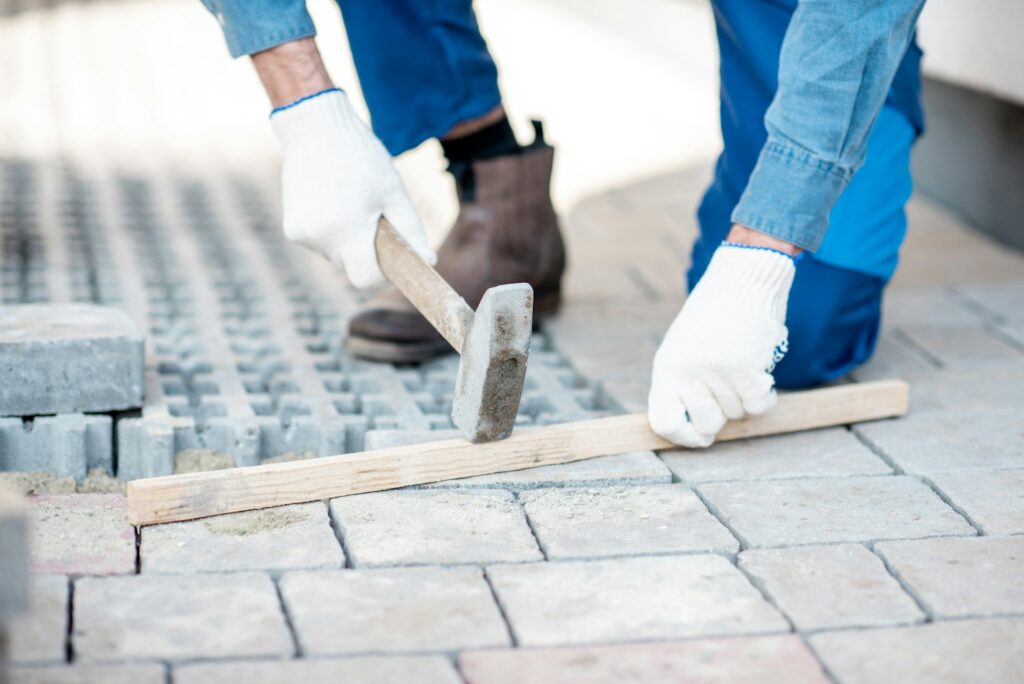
(755, 275)
(312, 116)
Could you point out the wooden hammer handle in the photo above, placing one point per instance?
(431, 294)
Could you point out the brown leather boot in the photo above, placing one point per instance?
(507, 232)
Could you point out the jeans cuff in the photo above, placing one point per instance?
(790, 195)
(246, 42)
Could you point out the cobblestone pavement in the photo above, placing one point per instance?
(890, 551)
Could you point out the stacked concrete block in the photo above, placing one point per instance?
(13, 566)
(66, 445)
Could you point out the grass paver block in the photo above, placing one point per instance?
(630, 599)
(994, 499)
(364, 670)
(38, 635)
(820, 587)
(619, 521)
(67, 358)
(404, 610)
(82, 534)
(178, 617)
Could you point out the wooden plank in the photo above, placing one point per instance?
(197, 495)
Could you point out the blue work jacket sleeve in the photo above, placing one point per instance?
(838, 60)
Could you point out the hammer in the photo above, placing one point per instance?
(493, 343)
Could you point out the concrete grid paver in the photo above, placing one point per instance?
(736, 660)
(827, 587)
(90, 674)
(81, 534)
(994, 499)
(630, 599)
(365, 670)
(39, 635)
(621, 521)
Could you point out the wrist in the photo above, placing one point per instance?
(741, 235)
(292, 71)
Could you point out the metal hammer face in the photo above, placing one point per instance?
(493, 366)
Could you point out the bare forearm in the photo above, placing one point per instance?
(742, 235)
(291, 71)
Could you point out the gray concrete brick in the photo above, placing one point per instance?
(413, 527)
(1002, 299)
(994, 499)
(825, 587)
(933, 442)
(14, 560)
(365, 670)
(735, 660)
(960, 652)
(68, 358)
(178, 617)
(90, 674)
(787, 512)
(82, 534)
(630, 599)
(963, 347)
(929, 306)
(816, 453)
(274, 540)
(38, 636)
(401, 610)
(894, 357)
(614, 521)
(67, 445)
(968, 577)
(968, 390)
(640, 467)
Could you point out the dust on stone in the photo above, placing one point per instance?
(254, 522)
(201, 461)
(98, 481)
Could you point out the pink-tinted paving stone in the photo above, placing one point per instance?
(702, 661)
(82, 534)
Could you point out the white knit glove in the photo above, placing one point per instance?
(336, 182)
(716, 359)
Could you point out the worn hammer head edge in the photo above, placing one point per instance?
(493, 366)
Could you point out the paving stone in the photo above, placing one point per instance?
(90, 674)
(366, 670)
(931, 442)
(967, 577)
(392, 610)
(736, 660)
(994, 499)
(834, 451)
(820, 587)
(66, 358)
(275, 539)
(786, 512)
(641, 467)
(1003, 299)
(38, 636)
(960, 652)
(14, 560)
(614, 521)
(630, 599)
(82, 534)
(929, 306)
(893, 358)
(963, 347)
(413, 527)
(178, 617)
(968, 390)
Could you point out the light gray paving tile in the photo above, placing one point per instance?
(90, 674)
(968, 390)
(81, 534)
(842, 585)
(274, 539)
(960, 652)
(893, 358)
(392, 610)
(788, 512)
(434, 526)
(833, 451)
(365, 670)
(613, 521)
(734, 660)
(928, 306)
(994, 499)
(966, 577)
(178, 617)
(1005, 300)
(931, 442)
(38, 636)
(630, 599)
(963, 347)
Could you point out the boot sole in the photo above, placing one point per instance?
(418, 352)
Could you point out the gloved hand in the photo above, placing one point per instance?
(716, 359)
(336, 182)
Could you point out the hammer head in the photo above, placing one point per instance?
(493, 366)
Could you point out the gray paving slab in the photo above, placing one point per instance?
(67, 358)
(14, 560)
(930, 442)
(39, 635)
(275, 539)
(178, 617)
(894, 357)
(90, 674)
(81, 534)
(630, 599)
(833, 451)
(620, 521)
(967, 577)
(813, 511)
(993, 499)
(393, 610)
(825, 587)
(959, 652)
(963, 347)
(364, 670)
(735, 660)
(414, 527)
(1005, 300)
(930, 306)
(968, 390)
